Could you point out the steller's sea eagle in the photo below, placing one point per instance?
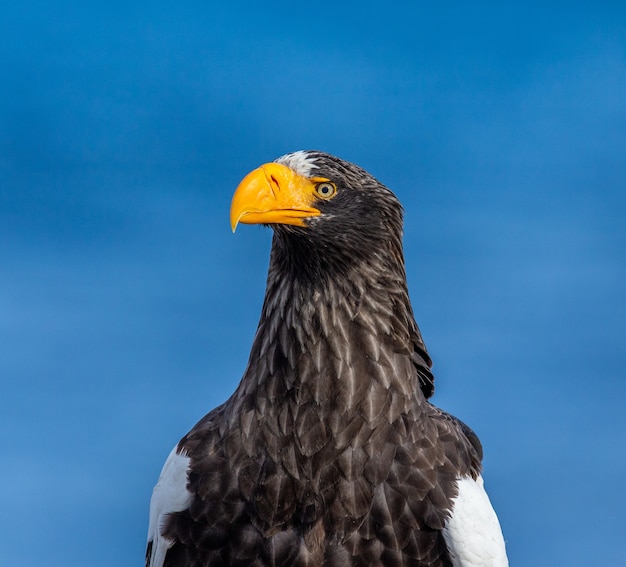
(328, 453)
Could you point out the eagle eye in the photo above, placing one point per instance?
(325, 190)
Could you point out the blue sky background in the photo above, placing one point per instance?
(127, 307)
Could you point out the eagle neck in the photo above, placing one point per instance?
(340, 342)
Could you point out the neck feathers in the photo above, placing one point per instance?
(343, 343)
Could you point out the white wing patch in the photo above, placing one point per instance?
(169, 495)
(473, 533)
(301, 162)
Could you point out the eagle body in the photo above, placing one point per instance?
(328, 453)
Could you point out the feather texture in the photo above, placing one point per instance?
(328, 452)
(473, 532)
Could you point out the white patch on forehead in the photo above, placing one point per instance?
(301, 162)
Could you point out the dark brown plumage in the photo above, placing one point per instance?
(328, 452)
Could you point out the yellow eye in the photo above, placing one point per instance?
(325, 190)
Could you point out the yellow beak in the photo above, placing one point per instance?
(273, 194)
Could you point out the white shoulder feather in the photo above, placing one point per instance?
(473, 533)
(169, 495)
